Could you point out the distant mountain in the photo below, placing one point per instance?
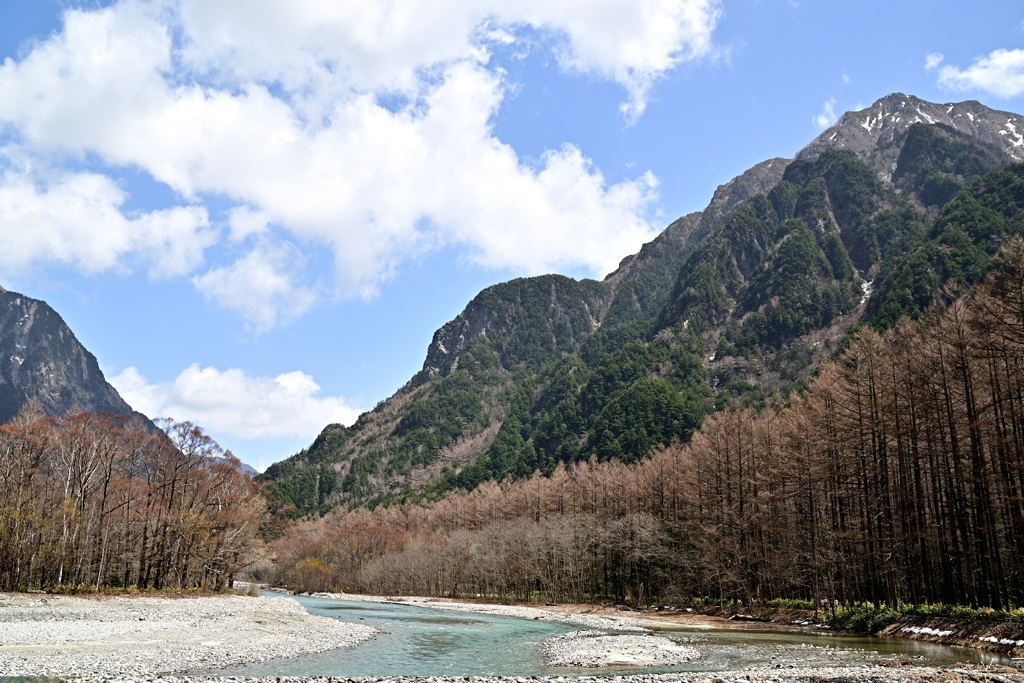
(42, 360)
(737, 303)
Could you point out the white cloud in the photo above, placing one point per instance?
(630, 43)
(245, 222)
(148, 399)
(384, 45)
(232, 403)
(174, 240)
(932, 60)
(1000, 73)
(94, 86)
(827, 116)
(274, 107)
(260, 286)
(76, 219)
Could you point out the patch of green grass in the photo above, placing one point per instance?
(862, 617)
(963, 612)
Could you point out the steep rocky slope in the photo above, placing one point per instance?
(42, 360)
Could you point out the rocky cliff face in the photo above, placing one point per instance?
(40, 359)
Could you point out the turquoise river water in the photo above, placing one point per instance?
(420, 641)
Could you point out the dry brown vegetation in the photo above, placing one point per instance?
(94, 500)
(898, 476)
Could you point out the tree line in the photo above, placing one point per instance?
(95, 500)
(896, 477)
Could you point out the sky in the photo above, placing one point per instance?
(255, 213)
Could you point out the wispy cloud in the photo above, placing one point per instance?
(262, 286)
(827, 116)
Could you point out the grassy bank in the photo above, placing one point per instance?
(1000, 631)
(869, 618)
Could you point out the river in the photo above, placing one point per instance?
(420, 641)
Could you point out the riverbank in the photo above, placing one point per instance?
(1002, 637)
(997, 636)
(138, 638)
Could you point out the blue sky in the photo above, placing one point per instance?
(256, 213)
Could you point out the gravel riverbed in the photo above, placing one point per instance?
(139, 638)
(589, 649)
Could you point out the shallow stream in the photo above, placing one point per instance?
(420, 641)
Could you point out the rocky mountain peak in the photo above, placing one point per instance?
(41, 359)
(875, 133)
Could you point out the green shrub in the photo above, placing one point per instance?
(862, 617)
(780, 603)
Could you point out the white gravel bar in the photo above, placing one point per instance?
(590, 649)
(138, 638)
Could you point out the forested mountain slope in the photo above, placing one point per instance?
(731, 305)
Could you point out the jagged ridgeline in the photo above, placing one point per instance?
(737, 303)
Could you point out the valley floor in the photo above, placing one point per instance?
(183, 639)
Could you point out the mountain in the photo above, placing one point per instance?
(42, 360)
(736, 303)
(878, 134)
